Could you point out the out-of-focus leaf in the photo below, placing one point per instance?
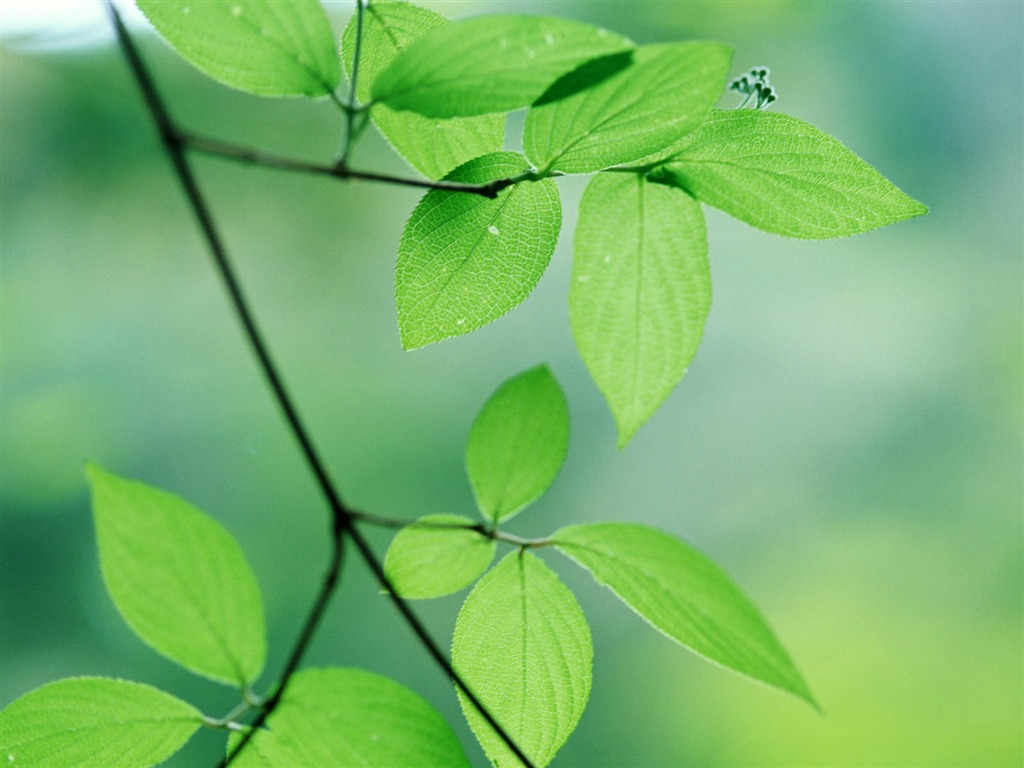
(94, 722)
(179, 579)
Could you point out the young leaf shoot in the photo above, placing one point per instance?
(517, 444)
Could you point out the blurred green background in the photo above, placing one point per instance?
(847, 444)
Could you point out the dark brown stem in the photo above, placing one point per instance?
(336, 170)
(316, 613)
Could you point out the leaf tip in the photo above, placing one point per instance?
(410, 339)
(91, 470)
(95, 475)
(802, 691)
(627, 426)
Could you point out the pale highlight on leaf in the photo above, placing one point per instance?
(683, 594)
(94, 722)
(266, 47)
(637, 112)
(437, 555)
(784, 176)
(179, 579)
(523, 646)
(432, 146)
(489, 64)
(640, 292)
(517, 443)
(351, 718)
(465, 260)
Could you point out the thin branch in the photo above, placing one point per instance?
(341, 520)
(330, 583)
(523, 543)
(350, 113)
(438, 655)
(336, 170)
(396, 522)
(175, 147)
(481, 528)
(342, 516)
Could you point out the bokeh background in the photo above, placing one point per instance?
(847, 444)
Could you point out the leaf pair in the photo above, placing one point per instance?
(436, 91)
(459, 267)
(521, 641)
(516, 447)
(333, 716)
(181, 582)
(641, 288)
(523, 645)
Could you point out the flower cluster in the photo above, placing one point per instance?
(755, 87)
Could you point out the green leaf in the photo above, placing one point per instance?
(433, 147)
(522, 645)
(179, 579)
(683, 594)
(465, 260)
(785, 176)
(640, 292)
(426, 560)
(349, 717)
(264, 47)
(489, 64)
(665, 94)
(95, 722)
(517, 443)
